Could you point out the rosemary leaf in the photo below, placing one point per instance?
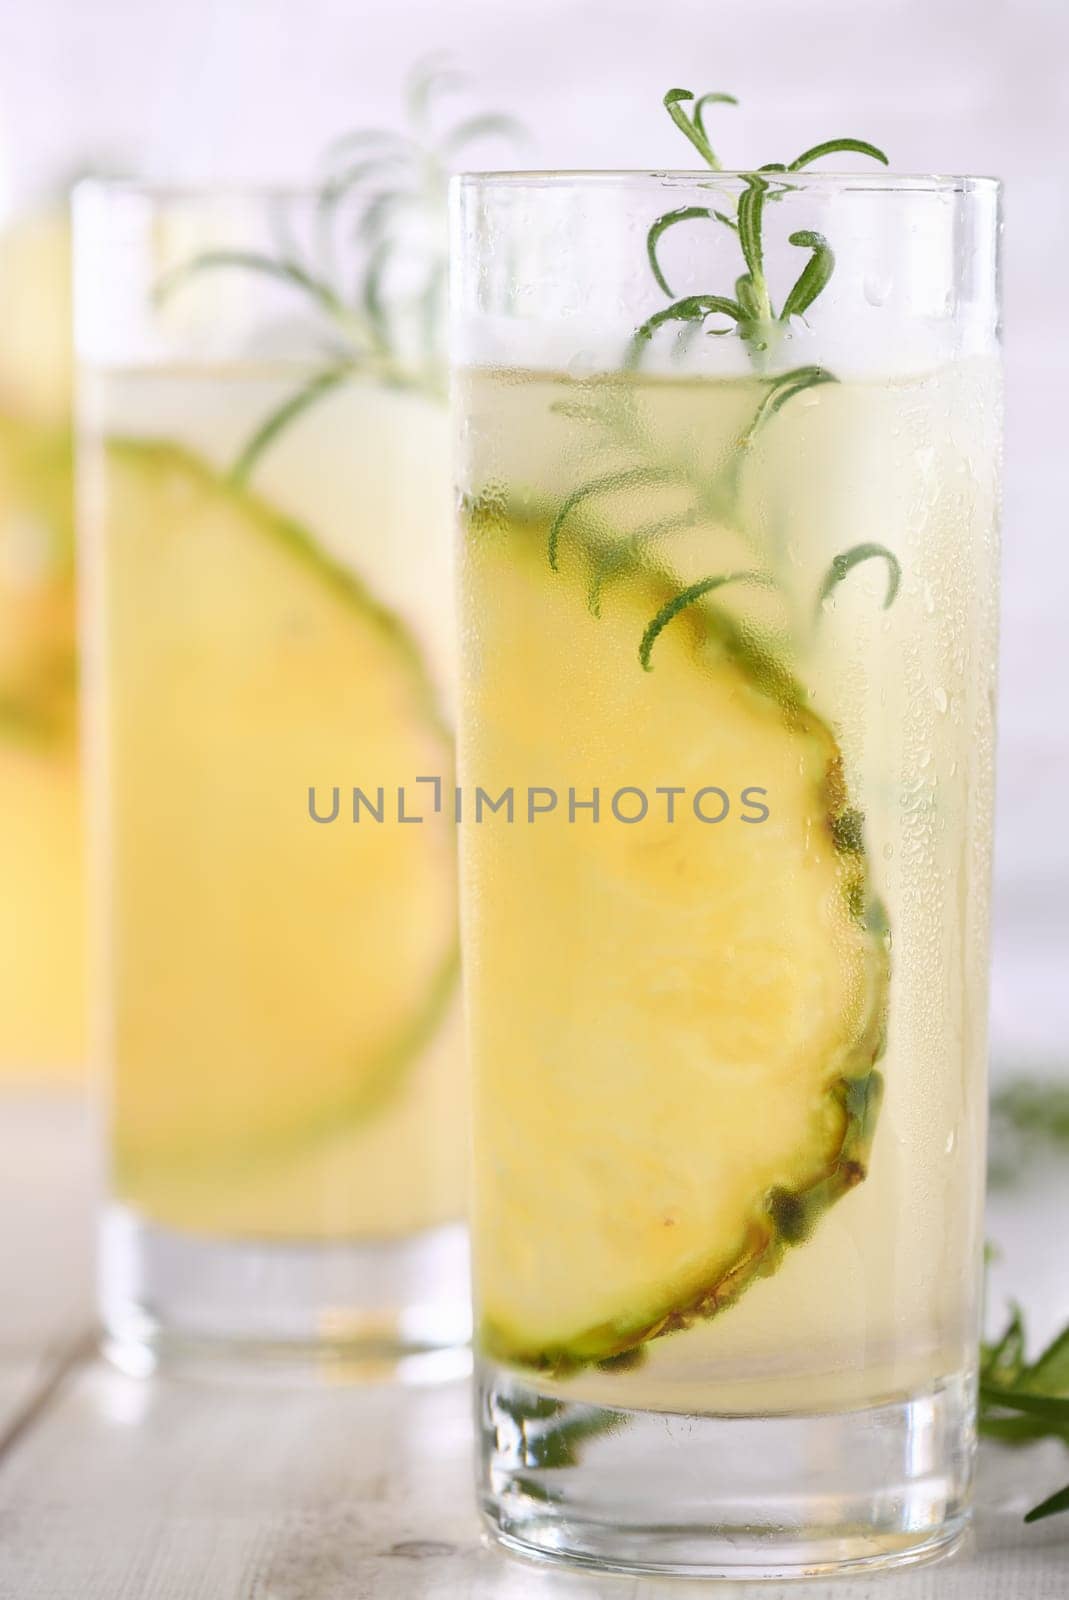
(695, 308)
(306, 396)
(674, 102)
(847, 560)
(814, 276)
(829, 147)
(688, 597)
(1048, 1508)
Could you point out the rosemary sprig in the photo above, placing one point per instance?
(386, 190)
(749, 312)
(1021, 1401)
(751, 304)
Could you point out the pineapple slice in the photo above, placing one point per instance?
(673, 1024)
(273, 980)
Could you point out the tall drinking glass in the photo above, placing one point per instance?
(42, 934)
(264, 504)
(728, 567)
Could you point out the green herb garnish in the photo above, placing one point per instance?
(749, 306)
(748, 311)
(387, 190)
(847, 560)
(551, 1435)
(1021, 1401)
(688, 597)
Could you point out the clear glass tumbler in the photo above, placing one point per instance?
(264, 505)
(42, 934)
(728, 459)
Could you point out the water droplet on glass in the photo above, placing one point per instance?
(582, 364)
(877, 288)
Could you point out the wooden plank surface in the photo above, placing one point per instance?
(20, 1381)
(119, 1489)
(46, 1218)
(126, 1490)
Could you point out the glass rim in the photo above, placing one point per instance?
(253, 189)
(179, 190)
(879, 181)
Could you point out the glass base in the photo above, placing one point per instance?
(725, 1496)
(393, 1309)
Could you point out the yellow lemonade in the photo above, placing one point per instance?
(729, 647)
(279, 974)
(41, 870)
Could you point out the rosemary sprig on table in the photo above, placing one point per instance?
(1021, 1401)
(385, 190)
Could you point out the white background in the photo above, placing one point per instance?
(211, 88)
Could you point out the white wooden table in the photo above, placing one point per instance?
(117, 1489)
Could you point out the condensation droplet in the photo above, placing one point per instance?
(876, 288)
(582, 364)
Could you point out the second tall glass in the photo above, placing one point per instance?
(728, 456)
(263, 493)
